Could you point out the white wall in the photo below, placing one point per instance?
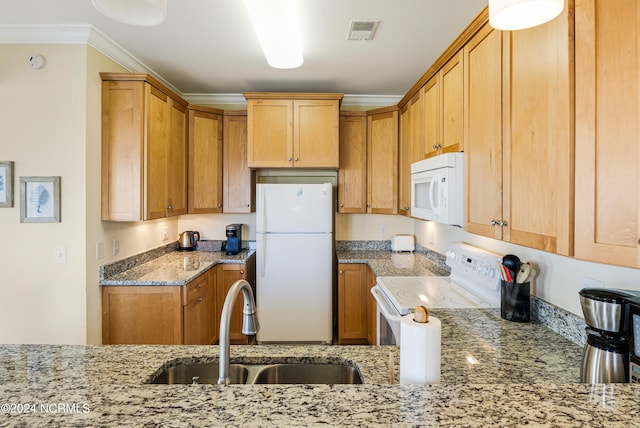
(558, 281)
(42, 129)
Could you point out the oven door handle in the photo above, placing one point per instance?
(389, 313)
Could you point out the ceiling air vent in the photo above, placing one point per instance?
(362, 30)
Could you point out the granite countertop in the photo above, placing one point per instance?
(387, 263)
(174, 268)
(494, 373)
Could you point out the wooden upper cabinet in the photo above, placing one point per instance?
(411, 146)
(451, 106)
(483, 139)
(293, 130)
(519, 142)
(607, 152)
(382, 161)
(144, 152)
(431, 116)
(538, 136)
(205, 160)
(238, 179)
(352, 173)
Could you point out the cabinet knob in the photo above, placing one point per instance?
(341, 205)
(341, 272)
(499, 223)
(199, 286)
(241, 272)
(289, 158)
(199, 299)
(435, 146)
(219, 205)
(368, 205)
(247, 205)
(295, 159)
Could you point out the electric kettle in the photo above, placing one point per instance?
(188, 240)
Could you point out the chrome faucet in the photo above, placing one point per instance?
(250, 324)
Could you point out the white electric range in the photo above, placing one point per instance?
(474, 282)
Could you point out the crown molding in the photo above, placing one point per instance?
(347, 100)
(88, 34)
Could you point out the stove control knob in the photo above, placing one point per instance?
(492, 272)
(485, 270)
(451, 254)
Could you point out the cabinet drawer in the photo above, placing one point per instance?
(194, 289)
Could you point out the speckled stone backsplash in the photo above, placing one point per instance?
(562, 322)
(363, 245)
(125, 264)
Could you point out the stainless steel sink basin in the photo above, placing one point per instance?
(309, 373)
(200, 373)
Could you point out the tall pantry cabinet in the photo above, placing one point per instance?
(607, 82)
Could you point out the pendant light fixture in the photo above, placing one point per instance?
(511, 15)
(134, 12)
(276, 25)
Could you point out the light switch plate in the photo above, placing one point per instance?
(60, 255)
(99, 250)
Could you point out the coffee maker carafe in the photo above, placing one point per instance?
(605, 358)
(234, 239)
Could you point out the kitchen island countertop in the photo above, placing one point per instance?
(494, 373)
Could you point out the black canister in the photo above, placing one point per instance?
(515, 301)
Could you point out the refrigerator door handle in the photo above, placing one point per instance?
(262, 257)
(263, 210)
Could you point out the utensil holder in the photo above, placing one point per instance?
(515, 301)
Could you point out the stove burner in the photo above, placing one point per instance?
(421, 296)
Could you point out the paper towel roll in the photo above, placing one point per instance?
(420, 350)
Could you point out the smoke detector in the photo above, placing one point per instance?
(362, 30)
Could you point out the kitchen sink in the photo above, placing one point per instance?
(200, 373)
(308, 373)
(289, 373)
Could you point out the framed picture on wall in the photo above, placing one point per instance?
(40, 199)
(6, 184)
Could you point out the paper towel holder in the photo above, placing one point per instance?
(421, 314)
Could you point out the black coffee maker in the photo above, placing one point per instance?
(234, 238)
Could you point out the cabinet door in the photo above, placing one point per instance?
(382, 163)
(607, 89)
(198, 318)
(352, 304)
(270, 133)
(238, 180)
(483, 141)
(431, 117)
(404, 164)
(122, 159)
(156, 183)
(205, 162)
(538, 141)
(177, 160)
(452, 82)
(316, 133)
(372, 309)
(142, 315)
(226, 275)
(352, 174)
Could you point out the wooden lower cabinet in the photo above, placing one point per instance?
(142, 315)
(174, 315)
(372, 333)
(353, 324)
(226, 275)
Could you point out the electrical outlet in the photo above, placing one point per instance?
(116, 246)
(99, 250)
(590, 283)
(383, 229)
(60, 255)
(165, 233)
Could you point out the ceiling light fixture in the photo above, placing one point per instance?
(134, 12)
(511, 15)
(276, 25)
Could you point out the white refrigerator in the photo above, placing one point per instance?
(294, 251)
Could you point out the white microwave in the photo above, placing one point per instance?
(437, 189)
